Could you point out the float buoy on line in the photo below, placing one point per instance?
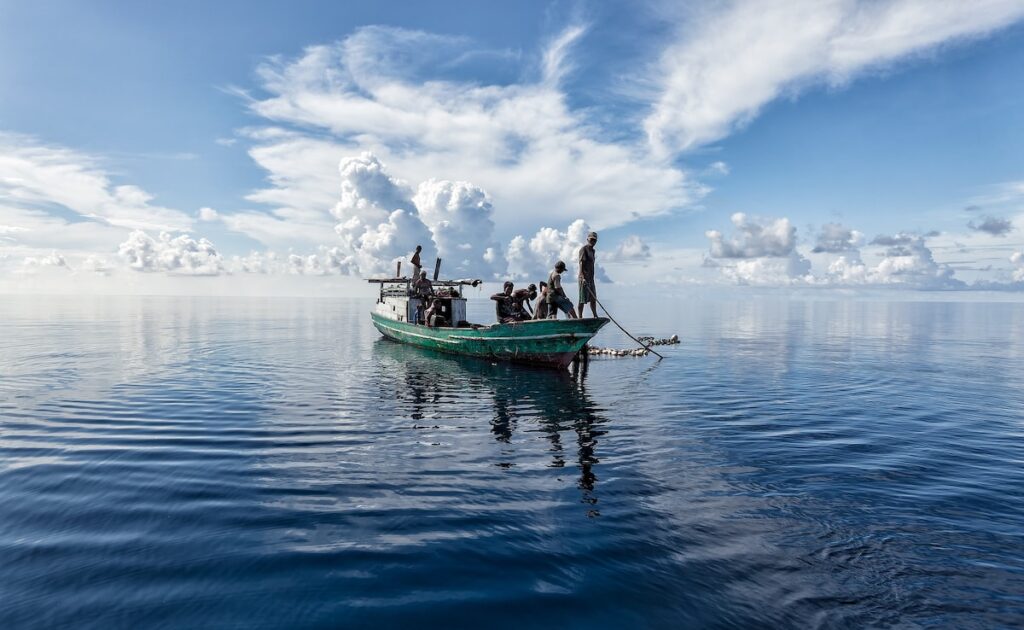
(633, 352)
(644, 347)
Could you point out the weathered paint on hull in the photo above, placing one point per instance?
(542, 342)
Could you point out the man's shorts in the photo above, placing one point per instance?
(558, 303)
(587, 296)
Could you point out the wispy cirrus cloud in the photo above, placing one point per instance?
(38, 176)
(731, 59)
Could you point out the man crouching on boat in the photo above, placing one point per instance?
(557, 300)
(503, 307)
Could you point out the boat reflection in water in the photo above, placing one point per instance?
(436, 389)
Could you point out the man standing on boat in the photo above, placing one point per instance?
(587, 259)
(415, 261)
(557, 300)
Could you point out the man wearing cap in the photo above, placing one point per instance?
(588, 289)
(557, 300)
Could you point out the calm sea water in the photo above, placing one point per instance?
(275, 463)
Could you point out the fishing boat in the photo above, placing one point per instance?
(399, 315)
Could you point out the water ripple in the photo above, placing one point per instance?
(266, 463)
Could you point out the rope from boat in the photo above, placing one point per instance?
(593, 296)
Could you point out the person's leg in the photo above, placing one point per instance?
(593, 307)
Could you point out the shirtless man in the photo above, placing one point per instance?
(521, 303)
(503, 308)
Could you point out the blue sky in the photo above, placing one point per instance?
(711, 143)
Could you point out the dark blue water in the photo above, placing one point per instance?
(274, 463)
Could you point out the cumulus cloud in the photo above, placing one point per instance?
(459, 217)
(1017, 258)
(762, 252)
(393, 91)
(834, 238)
(631, 249)
(536, 257)
(180, 255)
(52, 260)
(755, 238)
(906, 261)
(208, 214)
(769, 271)
(378, 222)
(731, 59)
(992, 225)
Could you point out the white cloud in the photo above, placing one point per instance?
(325, 261)
(53, 259)
(906, 261)
(769, 271)
(765, 253)
(835, 238)
(731, 59)
(208, 214)
(35, 177)
(756, 238)
(996, 226)
(96, 264)
(1017, 258)
(389, 91)
(180, 255)
(459, 217)
(537, 257)
(631, 249)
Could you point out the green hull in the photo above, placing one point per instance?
(548, 342)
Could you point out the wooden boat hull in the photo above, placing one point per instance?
(547, 342)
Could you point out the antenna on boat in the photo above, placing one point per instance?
(437, 269)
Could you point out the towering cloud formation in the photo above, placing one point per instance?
(378, 222)
(459, 217)
(173, 254)
(381, 220)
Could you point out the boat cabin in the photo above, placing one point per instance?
(398, 301)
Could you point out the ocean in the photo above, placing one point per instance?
(268, 463)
